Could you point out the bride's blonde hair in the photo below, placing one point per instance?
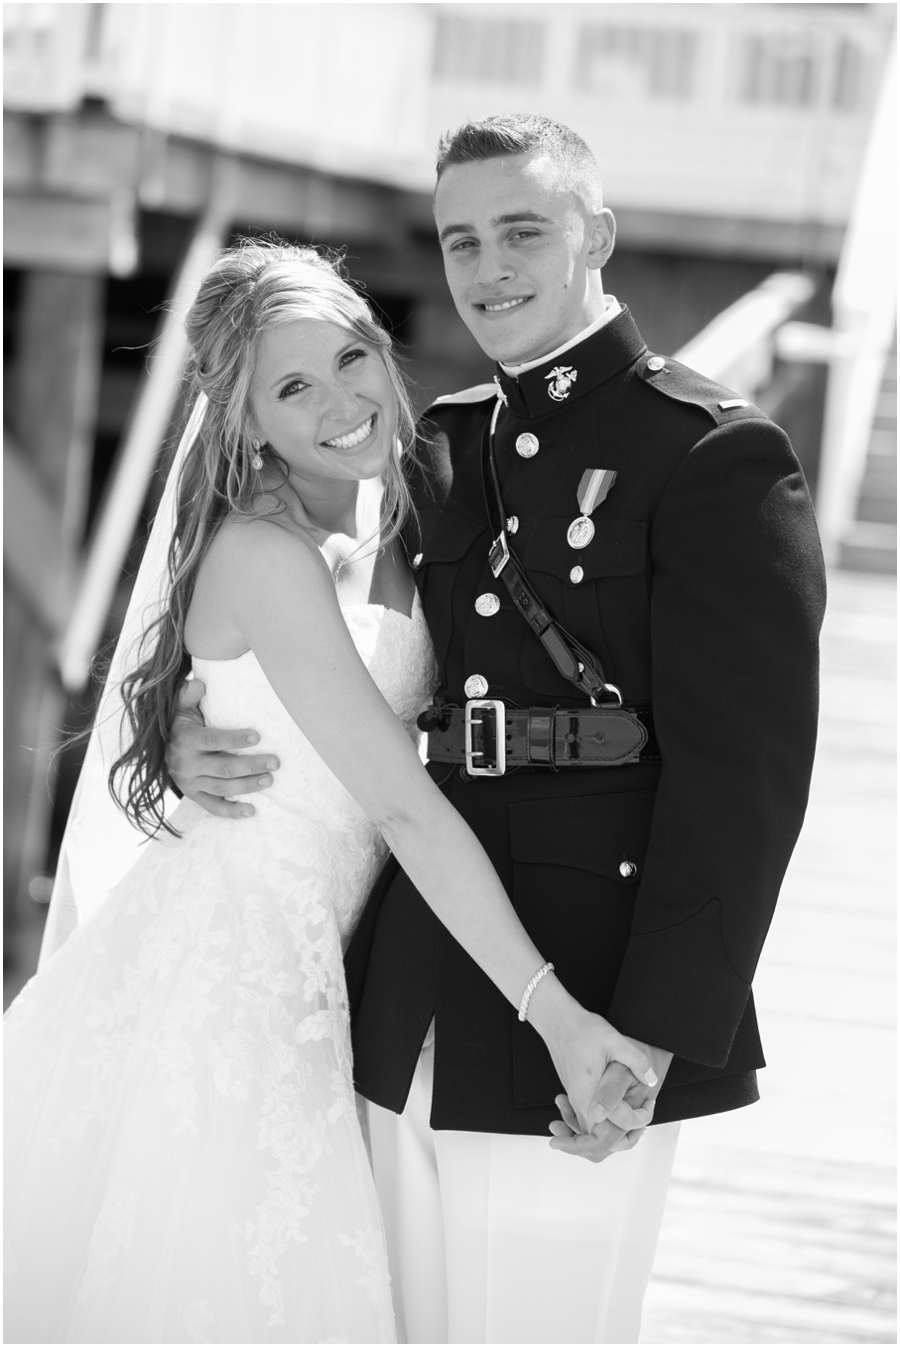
(251, 288)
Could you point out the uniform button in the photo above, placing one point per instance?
(627, 869)
(486, 605)
(576, 575)
(656, 363)
(417, 561)
(475, 686)
(527, 445)
(512, 524)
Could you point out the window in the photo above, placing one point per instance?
(849, 73)
(613, 62)
(780, 68)
(488, 51)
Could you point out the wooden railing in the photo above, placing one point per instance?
(136, 462)
(738, 347)
(864, 307)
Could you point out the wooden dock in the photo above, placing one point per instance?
(780, 1226)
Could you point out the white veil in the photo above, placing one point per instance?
(100, 844)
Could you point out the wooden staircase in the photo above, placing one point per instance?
(870, 543)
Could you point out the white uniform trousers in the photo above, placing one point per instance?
(497, 1238)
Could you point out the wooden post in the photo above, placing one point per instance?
(51, 411)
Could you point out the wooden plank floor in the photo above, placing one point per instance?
(780, 1226)
(780, 1222)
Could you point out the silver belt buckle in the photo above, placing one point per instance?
(498, 555)
(499, 710)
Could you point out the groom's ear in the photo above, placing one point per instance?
(603, 239)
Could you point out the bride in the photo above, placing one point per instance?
(184, 1159)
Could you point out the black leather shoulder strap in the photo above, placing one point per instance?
(573, 660)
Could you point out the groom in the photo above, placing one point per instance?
(664, 525)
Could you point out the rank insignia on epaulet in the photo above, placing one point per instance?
(479, 393)
(683, 384)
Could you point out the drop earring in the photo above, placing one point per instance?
(256, 461)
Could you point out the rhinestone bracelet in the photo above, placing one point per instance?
(526, 995)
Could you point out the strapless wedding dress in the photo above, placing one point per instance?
(184, 1161)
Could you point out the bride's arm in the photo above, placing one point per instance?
(280, 596)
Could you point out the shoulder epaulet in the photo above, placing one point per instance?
(684, 384)
(479, 393)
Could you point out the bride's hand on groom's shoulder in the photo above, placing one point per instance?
(207, 765)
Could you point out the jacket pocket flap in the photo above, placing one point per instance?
(605, 834)
(446, 536)
(618, 547)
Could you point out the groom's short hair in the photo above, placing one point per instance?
(521, 133)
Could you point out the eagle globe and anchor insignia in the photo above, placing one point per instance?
(563, 378)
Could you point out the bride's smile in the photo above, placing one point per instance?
(355, 437)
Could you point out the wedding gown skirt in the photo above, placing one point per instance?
(184, 1161)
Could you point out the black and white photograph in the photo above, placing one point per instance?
(450, 577)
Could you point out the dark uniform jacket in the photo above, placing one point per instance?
(702, 593)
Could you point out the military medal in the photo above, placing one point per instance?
(594, 487)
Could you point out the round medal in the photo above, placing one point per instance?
(580, 532)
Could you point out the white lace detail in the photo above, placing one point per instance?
(369, 1247)
(197, 1318)
(113, 1230)
(188, 1049)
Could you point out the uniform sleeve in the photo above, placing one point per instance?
(737, 604)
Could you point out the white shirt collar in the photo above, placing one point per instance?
(613, 308)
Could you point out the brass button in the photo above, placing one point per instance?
(486, 605)
(527, 445)
(656, 363)
(475, 686)
(576, 575)
(416, 561)
(627, 869)
(512, 524)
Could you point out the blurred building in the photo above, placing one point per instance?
(138, 137)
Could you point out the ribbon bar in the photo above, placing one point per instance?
(594, 487)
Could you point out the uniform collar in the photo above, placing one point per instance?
(597, 357)
(611, 308)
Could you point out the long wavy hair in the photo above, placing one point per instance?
(252, 287)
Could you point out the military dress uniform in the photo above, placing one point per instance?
(650, 882)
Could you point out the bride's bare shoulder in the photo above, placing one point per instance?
(255, 563)
(251, 568)
(254, 543)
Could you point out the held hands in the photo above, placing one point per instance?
(621, 1100)
(582, 1046)
(207, 765)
